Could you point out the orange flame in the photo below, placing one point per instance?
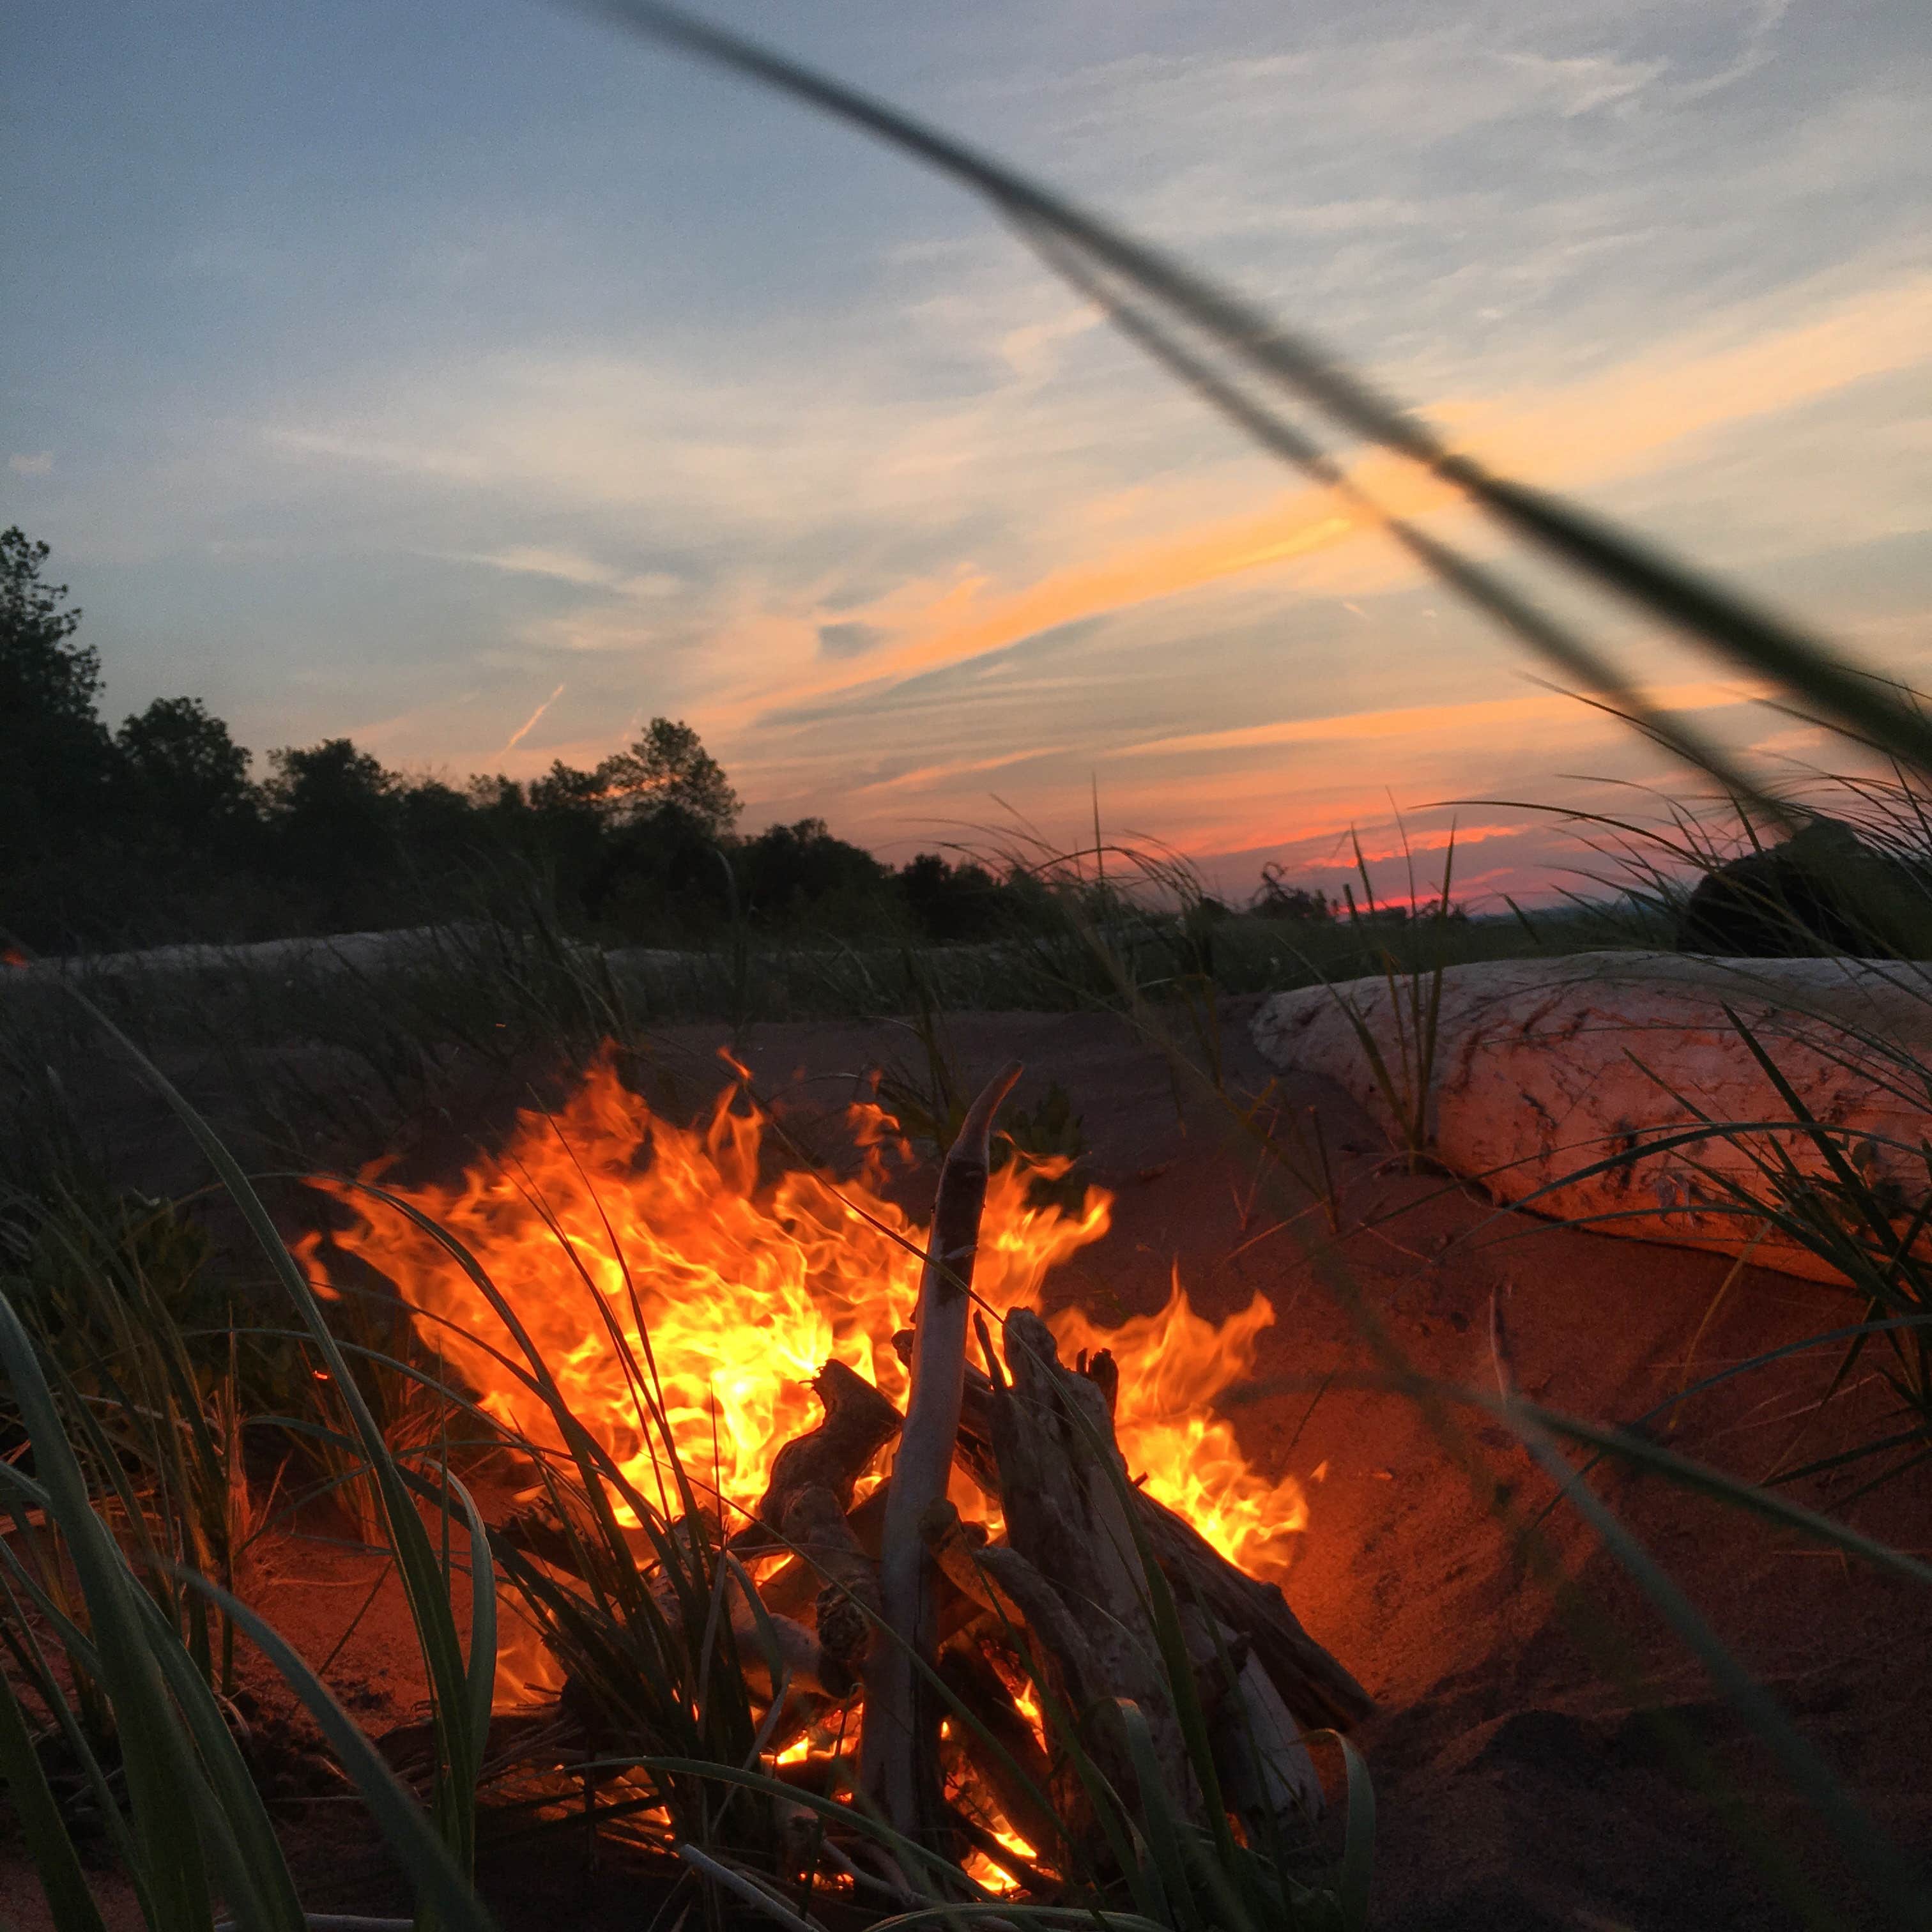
(611, 1231)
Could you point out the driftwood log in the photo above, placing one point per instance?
(805, 1505)
(858, 1423)
(983, 1694)
(1065, 1491)
(1547, 1069)
(1267, 1777)
(1314, 1683)
(899, 1747)
(801, 1657)
(848, 1606)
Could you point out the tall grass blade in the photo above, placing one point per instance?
(1357, 1870)
(460, 1738)
(69, 1899)
(159, 1768)
(441, 1883)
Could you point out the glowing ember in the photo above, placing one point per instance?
(604, 1225)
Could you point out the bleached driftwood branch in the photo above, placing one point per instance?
(899, 1754)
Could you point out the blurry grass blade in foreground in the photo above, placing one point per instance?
(459, 1688)
(191, 1793)
(1727, 623)
(1489, 593)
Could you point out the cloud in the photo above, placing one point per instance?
(848, 640)
(924, 778)
(1740, 368)
(529, 725)
(1438, 724)
(40, 462)
(851, 482)
(569, 566)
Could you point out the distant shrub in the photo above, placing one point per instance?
(1275, 899)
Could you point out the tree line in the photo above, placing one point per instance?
(157, 829)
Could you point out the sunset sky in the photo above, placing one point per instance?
(468, 378)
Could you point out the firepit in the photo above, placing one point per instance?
(948, 1533)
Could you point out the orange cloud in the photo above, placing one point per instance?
(1559, 434)
(1441, 724)
(1601, 427)
(1218, 793)
(925, 775)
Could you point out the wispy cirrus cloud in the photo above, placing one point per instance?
(569, 566)
(1738, 370)
(529, 724)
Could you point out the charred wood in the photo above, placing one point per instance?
(1065, 1491)
(1309, 1678)
(848, 1604)
(1008, 1761)
(858, 1423)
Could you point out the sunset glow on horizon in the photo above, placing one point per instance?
(476, 382)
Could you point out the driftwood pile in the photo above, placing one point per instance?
(873, 1603)
(1648, 1094)
(878, 1599)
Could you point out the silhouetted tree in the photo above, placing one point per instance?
(56, 758)
(1275, 899)
(181, 770)
(435, 821)
(793, 871)
(565, 788)
(333, 818)
(494, 793)
(667, 767)
(951, 902)
(659, 877)
(155, 832)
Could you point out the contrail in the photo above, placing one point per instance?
(523, 729)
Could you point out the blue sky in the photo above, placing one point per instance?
(477, 381)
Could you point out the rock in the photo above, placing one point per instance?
(1543, 1068)
(1824, 892)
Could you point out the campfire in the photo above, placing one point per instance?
(909, 1462)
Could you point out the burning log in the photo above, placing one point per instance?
(959, 1548)
(802, 1656)
(848, 1604)
(1267, 1775)
(1310, 1679)
(1313, 1681)
(792, 1587)
(858, 1423)
(1012, 1766)
(899, 1755)
(1101, 1369)
(806, 1504)
(813, 1666)
(1068, 1521)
